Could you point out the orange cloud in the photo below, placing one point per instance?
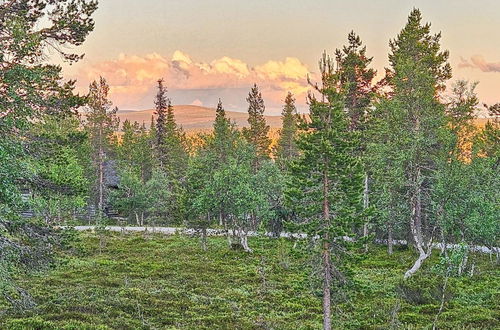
(133, 78)
(478, 62)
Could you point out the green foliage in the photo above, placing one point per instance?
(135, 148)
(166, 198)
(132, 198)
(172, 158)
(229, 191)
(466, 197)
(30, 87)
(270, 183)
(60, 186)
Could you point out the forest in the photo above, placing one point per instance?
(376, 209)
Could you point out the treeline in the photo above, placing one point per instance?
(397, 159)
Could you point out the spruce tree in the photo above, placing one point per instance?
(257, 133)
(287, 149)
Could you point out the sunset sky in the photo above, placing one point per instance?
(206, 49)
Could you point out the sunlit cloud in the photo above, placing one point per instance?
(478, 62)
(133, 79)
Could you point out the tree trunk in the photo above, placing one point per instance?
(228, 235)
(100, 202)
(365, 206)
(137, 219)
(418, 263)
(254, 220)
(244, 241)
(416, 225)
(204, 239)
(326, 258)
(327, 321)
(390, 240)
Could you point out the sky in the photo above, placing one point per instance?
(210, 49)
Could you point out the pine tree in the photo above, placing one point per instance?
(287, 149)
(327, 179)
(31, 86)
(410, 130)
(101, 125)
(257, 133)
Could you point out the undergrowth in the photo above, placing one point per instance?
(139, 281)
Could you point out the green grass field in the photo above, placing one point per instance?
(133, 281)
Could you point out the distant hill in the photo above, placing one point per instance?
(196, 118)
(192, 117)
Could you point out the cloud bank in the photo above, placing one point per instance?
(478, 62)
(132, 80)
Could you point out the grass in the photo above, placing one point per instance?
(138, 281)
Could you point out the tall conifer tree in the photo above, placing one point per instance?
(327, 179)
(161, 104)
